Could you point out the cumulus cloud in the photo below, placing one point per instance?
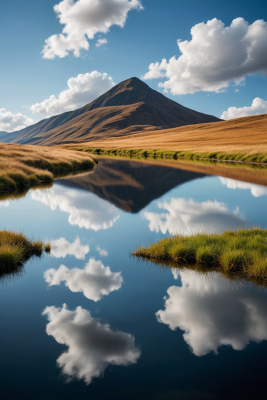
(100, 42)
(256, 190)
(85, 209)
(91, 346)
(13, 122)
(257, 107)
(187, 217)
(94, 281)
(102, 252)
(82, 20)
(215, 56)
(82, 90)
(213, 313)
(61, 248)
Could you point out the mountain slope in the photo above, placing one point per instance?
(130, 106)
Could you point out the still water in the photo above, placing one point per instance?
(90, 322)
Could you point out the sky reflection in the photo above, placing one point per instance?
(213, 313)
(61, 248)
(92, 346)
(256, 190)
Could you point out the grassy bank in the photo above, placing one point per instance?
(22, 166)
(214, 156)
(243, 251)
(16, 249)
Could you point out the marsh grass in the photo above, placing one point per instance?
(212, 156)
(243, 251)
(22, 166)
(16, 249)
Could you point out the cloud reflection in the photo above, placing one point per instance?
(61, 248)
(85, 209)
(212, 313)
(256, 190)
(94, 281)
(187, 217)
(91, 346)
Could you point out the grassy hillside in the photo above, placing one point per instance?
(26, 165)
(236, 139)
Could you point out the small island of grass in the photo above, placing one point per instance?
(16, 249)
(243, 251)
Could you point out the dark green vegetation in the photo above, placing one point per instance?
(16, 249)
(214, 156)
(243, 251)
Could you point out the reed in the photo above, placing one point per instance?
(22, 166)
(243, 251)
(16, 249)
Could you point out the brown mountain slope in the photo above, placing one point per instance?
(144, 108)
(240, 135)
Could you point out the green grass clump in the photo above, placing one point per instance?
(243, 251)
(16, 249)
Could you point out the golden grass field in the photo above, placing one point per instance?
(26, 165)
(246, 135)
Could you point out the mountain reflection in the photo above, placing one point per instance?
(256, 190)
(85, 209)
(130, 185)
(91, 346)
(213, 313)
(94, 281)
(187, 217)
(61, 248)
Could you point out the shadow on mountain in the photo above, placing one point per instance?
(130, 185)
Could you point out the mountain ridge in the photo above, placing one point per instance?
(130, 106)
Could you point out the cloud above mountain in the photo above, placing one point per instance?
(215, 56)
(92, 346)
(61, 248)
(13, 122)
(94, 281)
(258, 106)
(188, 217)
(213, 313)
(82, 20)
(82, 90)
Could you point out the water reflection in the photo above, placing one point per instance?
(188, 216)
(256, 190)
(94, 281)
(102, 252)
(61, 248)
(91, 346)
(213, 313)
(85, 209)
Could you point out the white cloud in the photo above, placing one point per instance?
(91, 346)
(82, 90)
(4, 203)
(61, 248)
(187, 217)
(256, 190)
(215, 56)
(102, 252)
(213, 313)
(100, 42)
(257, 107)
(82, 20)
(13, 122)
(94, 281)
(85, 209)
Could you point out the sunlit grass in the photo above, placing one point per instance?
(16, 249)
(243, 251)
(22, 166)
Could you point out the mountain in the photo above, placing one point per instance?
(129, 107)
(127, 184)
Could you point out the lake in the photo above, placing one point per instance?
(92, 322)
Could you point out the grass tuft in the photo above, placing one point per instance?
(244, 250)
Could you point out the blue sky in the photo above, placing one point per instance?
(149, 35)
